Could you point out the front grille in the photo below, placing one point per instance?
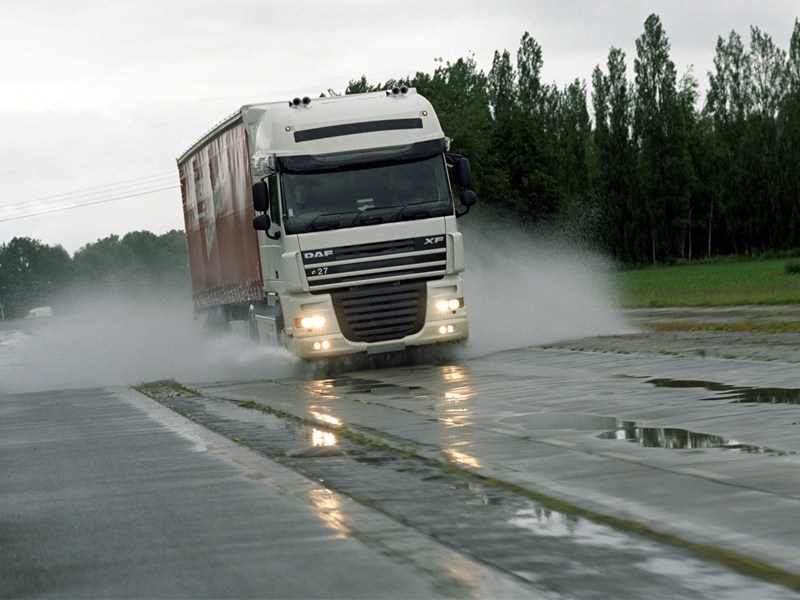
(381, 262)
(377, 313)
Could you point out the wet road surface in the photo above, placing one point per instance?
(624, 467)
(697, 451)
(553, 546)
(107, 495)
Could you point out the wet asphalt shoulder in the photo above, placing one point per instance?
(109, 494)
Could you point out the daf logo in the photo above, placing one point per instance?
(318, 254)
(434, 240)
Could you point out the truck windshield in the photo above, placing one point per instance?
(366, 195)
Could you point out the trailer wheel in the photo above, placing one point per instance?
(216, 320)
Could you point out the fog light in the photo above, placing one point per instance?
(443, 329)
(449, 304)
(313, 322)
(323, 345)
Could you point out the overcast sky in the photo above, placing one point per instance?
(100, 97)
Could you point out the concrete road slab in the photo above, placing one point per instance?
(106, 494)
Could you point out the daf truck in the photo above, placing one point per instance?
(328, 226)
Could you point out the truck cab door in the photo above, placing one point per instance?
(271, 242)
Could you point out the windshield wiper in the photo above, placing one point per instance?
(330, 221)
(410, 216)
(370, 219)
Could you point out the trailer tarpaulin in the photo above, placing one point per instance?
(218, 213)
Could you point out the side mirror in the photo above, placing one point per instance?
(261, 197)
(468, 198)
(463, 172)
(262, 222)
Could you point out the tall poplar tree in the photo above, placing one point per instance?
(615, 183)
(663, 166)
(503, 100)
(769, 216)
(523, 168)
(747, 95)
(788, 152)
(533, 158)
(728, 104)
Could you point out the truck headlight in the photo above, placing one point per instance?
(311, 322)
(449, 304)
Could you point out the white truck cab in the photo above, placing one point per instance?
(357, 243)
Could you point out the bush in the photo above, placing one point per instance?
(793, 267)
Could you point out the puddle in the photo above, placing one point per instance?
(242, 421)
(762, 395)
(544, 522)
(354, 385)
(388, 389)
(680, 439)
(572, 421)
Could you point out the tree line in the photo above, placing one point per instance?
(654, 174)
(138, 264)
(643, 170)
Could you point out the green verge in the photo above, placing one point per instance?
(718, 283)
(739, 326)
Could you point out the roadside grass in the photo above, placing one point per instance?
(715, 283)
(750, 326)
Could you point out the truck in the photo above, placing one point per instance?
(328, 226)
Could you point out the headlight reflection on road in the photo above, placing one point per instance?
(457, 406)
(322, 438)
(323, 389)
(452, 373)
(457, 417)
(462, 458)
(325, 418)
(329, 509)
(459, 394)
